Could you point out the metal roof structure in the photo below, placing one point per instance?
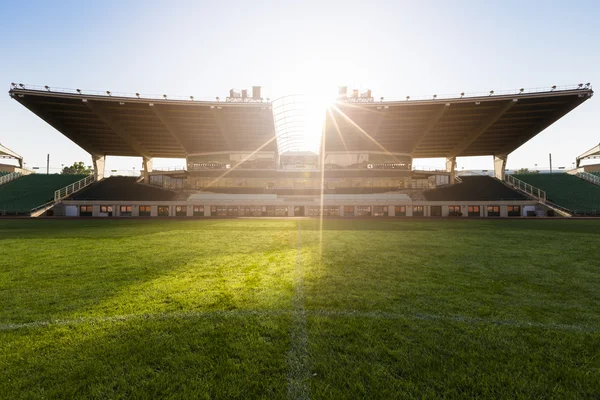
(495, 124)
(119, 125)
(124, 125)
(5, 152)
(592, 153)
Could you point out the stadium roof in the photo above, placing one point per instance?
(592, 153)
(494, 124)
(5, 152)
(130, 126)
(122, 125)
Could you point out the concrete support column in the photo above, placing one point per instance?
(409, 210)
(291, 211)
(451, 168)
(146, 169)
(391, 211)
(500, 166)
(98, 162)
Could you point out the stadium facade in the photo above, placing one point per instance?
(240, 157)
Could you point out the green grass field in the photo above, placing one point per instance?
(226, 309)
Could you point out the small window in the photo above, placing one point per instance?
(418, 211)
(348, 211)
(363, 211)
(514, 211)
(493, 211)
(85, 211)
(198, 211)
(221, 211)
(436, 211)
(232, 211)
(163, 211)
(331, 211)
(180, 211)
(474, 211)
(144, 211)
(454, 211)
(108, 210)
(400, 211)
(126, 211)
(380, 211)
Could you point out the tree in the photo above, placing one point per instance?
(78, 168)
(526, 171)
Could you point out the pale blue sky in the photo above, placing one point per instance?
(396, 48)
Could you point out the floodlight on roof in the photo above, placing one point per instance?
(165, 96)
(218, 98)
(192, 98)
(407, 98)
(138, 95)
(108, 92)
(462, 94)
(381, 98)
(48, 88)
(13, 84)
(491, 92)
(580, 85)
(435, 96)
(587, 84)
(553, 87)
(22, 86)
(521, 90)
(78, 91)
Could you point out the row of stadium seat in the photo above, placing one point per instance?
(21, 195)
(473, 188)
(567, 191)
(123, 188)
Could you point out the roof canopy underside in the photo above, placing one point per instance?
(594, 152)
(494, 125)
(105, 125)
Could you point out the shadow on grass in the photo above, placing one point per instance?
(210, 356)
(52, 278)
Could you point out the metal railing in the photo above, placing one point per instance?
(526, 188)
(589, 177)
(74, 187)
(522, 91)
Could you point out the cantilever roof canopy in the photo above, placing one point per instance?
(5, 152)
(466, 126)
(131, 126)
(592, 153)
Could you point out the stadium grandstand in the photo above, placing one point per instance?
(243, 156)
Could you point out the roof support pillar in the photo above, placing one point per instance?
(451, 168)
(146, 169)
(500, 166)
(98, 162)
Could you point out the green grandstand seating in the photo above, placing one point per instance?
(567, 191)
(2, 173)
(21, 195)
(597, 173)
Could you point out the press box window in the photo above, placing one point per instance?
(474, 211)
(454, 211)
(163, 211)
(418, 211)
(180, 211)
(514, 211)
(126, 211)
(400, 211)
(144, 211)
(106, 210)
(493, 211)
(85, 211)
(198, 211)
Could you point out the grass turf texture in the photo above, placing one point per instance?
(249, 309)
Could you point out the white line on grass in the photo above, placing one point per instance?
(315, 313)
(297, 358)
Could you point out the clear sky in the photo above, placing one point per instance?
(396, 48)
